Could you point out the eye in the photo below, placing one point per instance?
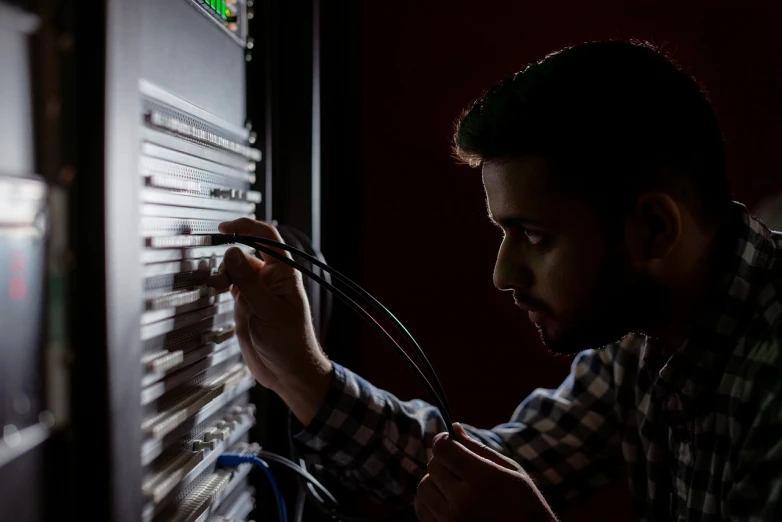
(533, 237)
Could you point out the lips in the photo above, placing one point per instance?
(536, 315)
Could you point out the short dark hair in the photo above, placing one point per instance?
(616, 114)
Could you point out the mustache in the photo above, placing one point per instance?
(529, 302)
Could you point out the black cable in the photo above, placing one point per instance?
(259, 244)
(358, 309)
(417, 348)
(306, 490)
(316, 294)
(311, 480)
(321, 263)
(320, 503)
(279, 459)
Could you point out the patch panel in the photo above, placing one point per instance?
(175, 472)
(236, 507)
(194, 172)
(190, 334)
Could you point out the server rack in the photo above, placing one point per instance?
(176, 159)
(143, 135)
(143, 138)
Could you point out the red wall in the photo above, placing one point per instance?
(427, 247)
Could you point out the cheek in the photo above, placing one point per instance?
(574, 280)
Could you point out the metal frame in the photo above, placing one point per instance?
(98, 154)
(123, 270)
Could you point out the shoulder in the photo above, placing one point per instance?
(759, 349)
(753, 375)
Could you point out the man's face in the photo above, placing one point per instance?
(570, 277)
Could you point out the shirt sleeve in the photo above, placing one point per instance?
(566, 439)
(756, 492)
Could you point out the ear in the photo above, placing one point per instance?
(654, 226)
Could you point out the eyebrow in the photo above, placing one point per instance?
(512, 221)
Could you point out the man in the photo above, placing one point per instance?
(603, 165)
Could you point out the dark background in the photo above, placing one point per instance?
(410, 224)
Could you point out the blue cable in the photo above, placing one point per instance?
(235, 459)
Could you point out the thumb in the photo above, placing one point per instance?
(247, 279)
(482, 450)
(238, 268)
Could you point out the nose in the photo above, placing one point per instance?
(511, 270)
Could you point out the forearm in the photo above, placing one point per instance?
(305, 391)
(371, 438)
(382, 444)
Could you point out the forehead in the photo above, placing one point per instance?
(525, 185)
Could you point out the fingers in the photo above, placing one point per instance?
(457, 458)
(242, 317)
(483, 450)
(251, 227)
(430, 503)
(422, 512)
(219, 281)
(448, 484)
(244, 274)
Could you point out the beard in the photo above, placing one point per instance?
(571, 340)
(619, 300)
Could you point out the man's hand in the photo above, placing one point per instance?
(469, 481)
(273, 322)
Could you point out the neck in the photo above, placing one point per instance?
(686, 292)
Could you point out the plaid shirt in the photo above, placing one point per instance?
(698, 435)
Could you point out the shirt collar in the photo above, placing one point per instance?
(742, 268)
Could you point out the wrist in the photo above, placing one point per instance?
(304, 390)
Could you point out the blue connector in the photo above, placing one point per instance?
(231, 460)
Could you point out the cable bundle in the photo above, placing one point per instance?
(261, 458)
(266, 246)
